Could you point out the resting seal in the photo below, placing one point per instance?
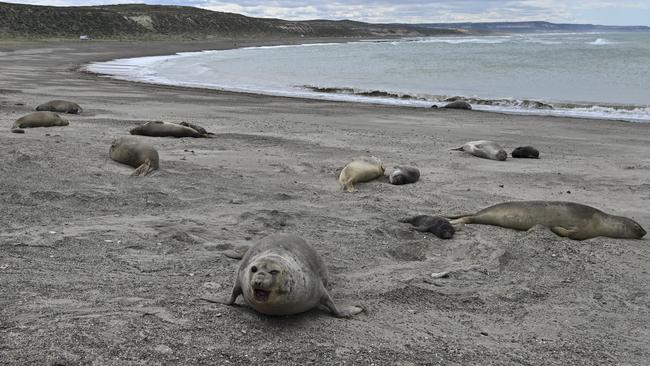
(484, 149)
(525, 152)
(283, 275)
(458, 105)
(40, 119)
(572, 220)
(60, 106)
(439, 226)
(361, 169)
(404, 175)
(138, 154)
(164, 129)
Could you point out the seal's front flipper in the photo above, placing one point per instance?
(143, 169)
(343, 312)
(237, 252)
(571, 233)
(17, 130)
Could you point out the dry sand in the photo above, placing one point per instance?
(97, 267)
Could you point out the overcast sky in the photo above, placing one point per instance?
(610, 12)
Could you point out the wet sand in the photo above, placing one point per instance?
(97, 267)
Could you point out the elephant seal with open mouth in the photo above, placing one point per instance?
(283, 275)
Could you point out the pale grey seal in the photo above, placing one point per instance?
(484, 149)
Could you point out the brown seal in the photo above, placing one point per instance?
(572, 220)
(136, 153)
(459, 104)
(61, 106)
(362, 169)
(40, 119)
(283, 275)
(165, 129)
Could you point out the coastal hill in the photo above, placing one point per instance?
(139, 21)
(532, 27)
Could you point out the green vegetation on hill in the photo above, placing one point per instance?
(139, 21)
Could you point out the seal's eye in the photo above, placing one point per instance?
(253, 269)
(274, 272)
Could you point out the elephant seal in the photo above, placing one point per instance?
(458, 105)
(404, 175)
(198, 128)
(439, 226)
(484, 149)
(361, 169)
(138, 154)
(60, 106)
(40, 119)
(525, 152)
(164, 129)
(568, 219)
(283, 275)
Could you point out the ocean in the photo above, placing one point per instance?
(591, 75)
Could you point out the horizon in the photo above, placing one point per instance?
(601, 12)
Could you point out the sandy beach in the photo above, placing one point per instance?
(98, 267)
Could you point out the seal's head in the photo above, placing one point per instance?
(502, 155)
(269, 280)
(624, 227)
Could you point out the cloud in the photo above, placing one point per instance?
(401, 11)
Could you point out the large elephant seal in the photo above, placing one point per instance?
(484, 149)
(136, 153)
(439, 226)
(164, 129)
(458, 105)
(572, 220)
(361, 169)
(40, 119)
(283, 275)
(403, 175)
(61, 106)
(525, 152)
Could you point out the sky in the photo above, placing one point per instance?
(606, 12)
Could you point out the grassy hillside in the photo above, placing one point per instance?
(138, 21)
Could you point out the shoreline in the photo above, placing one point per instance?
(121, 263)
(129, 69)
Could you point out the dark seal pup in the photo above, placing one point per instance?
(439, 226)
(164, 129)
(136, 153)
(283, 275)
(458, 105)
(40, 119)
(568, 219)
(404, 175)
(61, 106)
(525, 152)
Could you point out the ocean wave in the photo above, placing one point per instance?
(600, 42)
(501, 105)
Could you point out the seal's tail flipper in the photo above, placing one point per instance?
(17, 130)
(461, 219)
(458, 149)
(143, 169)
(406, 220)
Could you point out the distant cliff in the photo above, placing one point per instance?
(531, 27)
(139, 21)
